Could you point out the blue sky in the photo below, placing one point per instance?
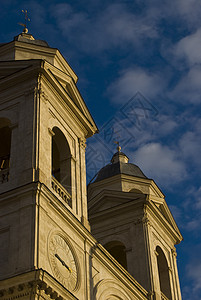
(139, 69)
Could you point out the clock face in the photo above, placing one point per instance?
(62, 261)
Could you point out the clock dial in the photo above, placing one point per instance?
(62, 261)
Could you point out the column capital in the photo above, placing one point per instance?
(82, 143)
(174, 252)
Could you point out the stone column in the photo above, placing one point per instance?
(84, 212)
(177, 287)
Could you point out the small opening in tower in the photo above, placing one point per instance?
(5, 149)
(61, 159)
(163, 271)
(118, 251)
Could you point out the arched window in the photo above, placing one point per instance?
(118, 251)
(61, 159)
(163, 271)
(5, 147)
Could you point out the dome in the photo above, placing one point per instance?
(119, 165)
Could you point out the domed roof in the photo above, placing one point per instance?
(119, 165)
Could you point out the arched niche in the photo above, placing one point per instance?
(61, 159)
(5, 148)
(118, 251)
(163, 272)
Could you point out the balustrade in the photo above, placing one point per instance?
(61, 191)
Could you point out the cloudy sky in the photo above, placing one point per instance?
(139, 69)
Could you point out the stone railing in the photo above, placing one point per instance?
(61, 191)
(163, 297)
(4, 175)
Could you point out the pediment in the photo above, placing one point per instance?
(163, 209)
(67, 83)
(107, 200)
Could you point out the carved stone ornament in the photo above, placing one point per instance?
(43, 95)
(174, 253)
(82, 143)
(28, 289)
(143, 220)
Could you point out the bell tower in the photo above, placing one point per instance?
(44, 124)
(130, 218)
(47, 249)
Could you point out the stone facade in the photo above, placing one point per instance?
(47, 248)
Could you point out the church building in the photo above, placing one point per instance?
(59, 239)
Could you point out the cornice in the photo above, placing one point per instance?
(28, 70)
(66, 101)
(126, 178)
(54, 53)
(37, 68)
(37, 282)
(154, 214)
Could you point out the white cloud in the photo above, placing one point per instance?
(189, 47)
(160, 163)
(134, 80)
(191, 146)
(188, 88)
(113, 26)
(165, 125)
(189, 10)
(194, 194)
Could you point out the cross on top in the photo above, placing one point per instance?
(27, 19)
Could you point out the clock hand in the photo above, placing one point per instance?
(63, 262)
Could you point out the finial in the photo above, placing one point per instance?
(25, 30)
(118, 147)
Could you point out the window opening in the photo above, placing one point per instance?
(118, 251)
(61, 159)
(5, 148)
(163, 271)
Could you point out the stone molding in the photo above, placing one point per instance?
(51, 132)
(29, 288)
(38, 284)
(82, 143)
(143, 220)
(174, 253)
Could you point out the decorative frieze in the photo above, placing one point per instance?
(29, 289)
